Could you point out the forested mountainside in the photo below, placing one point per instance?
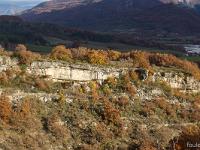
(119, 15)
(14, 30)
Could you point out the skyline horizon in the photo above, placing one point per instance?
(12, 7)
(21, 1)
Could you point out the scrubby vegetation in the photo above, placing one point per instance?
(101, 57)
(188, 139)
(97, 119)
(168, 60)
(119, 113)
(25, 56)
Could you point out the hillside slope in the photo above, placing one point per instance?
(102, 100)
(117, 15)
(14, 30)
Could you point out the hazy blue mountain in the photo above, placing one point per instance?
(9, 7)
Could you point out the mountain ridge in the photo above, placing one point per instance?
(55, 5)
(128, 16)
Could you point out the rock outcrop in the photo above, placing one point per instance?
(7, 63)
(178, 80)
(63, 71)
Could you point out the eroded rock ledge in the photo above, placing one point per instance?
(178, 80)
(63, 71)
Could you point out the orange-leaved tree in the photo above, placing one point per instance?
(61, 53)
(98, 57)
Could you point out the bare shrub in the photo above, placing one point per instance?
(123, 101)
(80, 53)
(106, 89)
(4, 79)
(190, 134)
(25, 56)
(111, 114)
(114, 55)
(134, 75)
(3, 52)
(94, 90)
(130, 89)
(56, 127)
(5, 108)
(42, 84)
(111, 81)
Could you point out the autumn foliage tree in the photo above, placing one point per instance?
(168, 60)
(80, 53)
(61, 53)
(98, 57)
(25, 56)
(114, 55)
(140, 59)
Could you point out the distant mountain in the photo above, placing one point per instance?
(15, 7)
(56, 5)
(185, 2)
(130, 16)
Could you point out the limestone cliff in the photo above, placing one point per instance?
(63, 71)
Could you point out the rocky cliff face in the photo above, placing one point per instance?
(7, 63)
(63, 71)
(178, 80)
(59, 71)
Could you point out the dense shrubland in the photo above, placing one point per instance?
(139, 59)
(109, 115)
(102, 57)
(188, 139)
